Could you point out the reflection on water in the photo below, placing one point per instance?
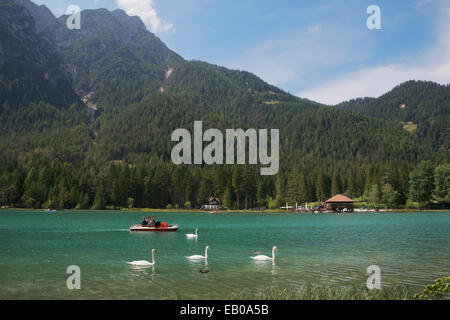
(35, 249)
(265, 266)
(197, 265)
(143, 272)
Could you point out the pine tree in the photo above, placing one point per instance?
(227, 199)
(336, 184)
(100, 199)
(249, 184)
(323, 186)
(293, 186)
(238, 183)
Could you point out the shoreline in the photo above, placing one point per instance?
(143, 210)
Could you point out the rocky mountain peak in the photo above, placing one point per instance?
(41, 14)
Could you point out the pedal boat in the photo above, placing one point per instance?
(161, 228)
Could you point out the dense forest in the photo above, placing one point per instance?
(390, 151)
(42, 183)
(422, 107)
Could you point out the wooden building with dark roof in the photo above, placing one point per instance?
(339, 203)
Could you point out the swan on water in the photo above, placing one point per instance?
(198, 257)
(191, 235)
(144, 262)
(262, 257)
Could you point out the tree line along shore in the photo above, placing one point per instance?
(44, 183)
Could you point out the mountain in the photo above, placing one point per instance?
(119, 68)
(35, 91)
(410, 101)
(421, 107)
(113, 60)
(42, 16)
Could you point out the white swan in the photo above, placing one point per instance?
(262, 257)
(144, 262)
(198, 257)
(191, 235)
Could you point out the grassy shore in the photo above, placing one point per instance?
(439, 290)
(313, 292)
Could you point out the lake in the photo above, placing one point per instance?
(325, 249)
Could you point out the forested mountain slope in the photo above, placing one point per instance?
(421, 107)
(35, 91)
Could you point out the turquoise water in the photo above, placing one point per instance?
(37, 247)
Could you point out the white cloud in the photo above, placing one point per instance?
(369, 82)
(314, 29)
(303, 55)
(342, 55)
(146, 11)
(432, 65)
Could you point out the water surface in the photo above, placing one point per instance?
(37, 247)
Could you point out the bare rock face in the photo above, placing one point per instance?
(28, 61)
(42, 16)
(112, 49)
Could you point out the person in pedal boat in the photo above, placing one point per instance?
(144, 222)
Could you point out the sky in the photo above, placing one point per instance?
(320, 50)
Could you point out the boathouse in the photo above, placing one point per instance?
(339, 203)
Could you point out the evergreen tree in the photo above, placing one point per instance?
(293, 186)
(238, 183)
(323, 186)
(227, 199)
(421, 183)
(249, 184)
(336, 184)
(442, 183)
(100, 199)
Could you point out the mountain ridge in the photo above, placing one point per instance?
(31, 74)
(114, 62)
(420, 106)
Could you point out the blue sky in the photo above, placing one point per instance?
(320, 49)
